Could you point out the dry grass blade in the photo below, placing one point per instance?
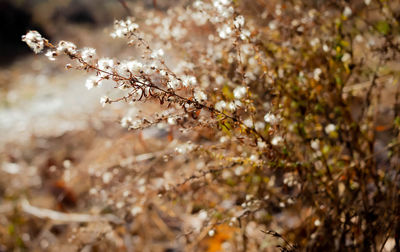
(65, 217)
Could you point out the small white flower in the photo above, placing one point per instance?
(136, 210)
(346, 57)
(271, 118)
(314, 42)
(120, 205)
(347, 11)
(150, 69)
(261, 144)
(259, 125)
(248, 122)
(174, 84)
(123, 28)
(184, 148)
(104, 100)
(330, 128)
(359, 38)
(188, 81)
(93, 191)
(126, 121)
(92, 81)
(34, 40)
(51, 54)
(220, 105)
(133, 27)
(367, 2)
(317, 74)
(290, 201)
(219, 80)
(315, 144)
(66, 47)
(239, 170)
(211, 233)
(200, 96)
(134, 66)
(276, 140)
(88, 54)
(122, 69)
(239, 92)
(239, 21)
(105, 64)
(157, 53)
(171, 120)
(107, 177)
(244, 34)
(273, 25)
(233, 105)
(136, 124)
(225, 31)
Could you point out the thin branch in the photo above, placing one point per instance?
(126, 7)
(278, 235)
(44, 213)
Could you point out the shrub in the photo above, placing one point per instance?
(286, 114)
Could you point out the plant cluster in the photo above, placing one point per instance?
(282, 116)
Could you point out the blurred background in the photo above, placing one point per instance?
(49, 121)
(56, 17)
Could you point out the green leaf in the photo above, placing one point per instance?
(397, 121)
(383, 27)
(226, 91)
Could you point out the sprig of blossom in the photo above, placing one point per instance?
(123, 28)
(34, 40)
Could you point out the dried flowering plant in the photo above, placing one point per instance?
(288, 94)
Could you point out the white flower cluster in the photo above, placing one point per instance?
(224, 31)
(38, 43)
(330, 128)
(290, 179)
(126, 68)
(231, 106)
(63, 47)
(105, 66)
(93, 81)
(129, 123)
(317, 73)
(239, 21)
(189, 81)
(200, 96)
(157, 54)
(66, 47)
(239, 92)
(271, 118)
(88, 54)
(169, 28)
(185, 148)
(249, 123)
(276, 140)
(123, 28)
(34, 40)
(224, 8)
(220, 13)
